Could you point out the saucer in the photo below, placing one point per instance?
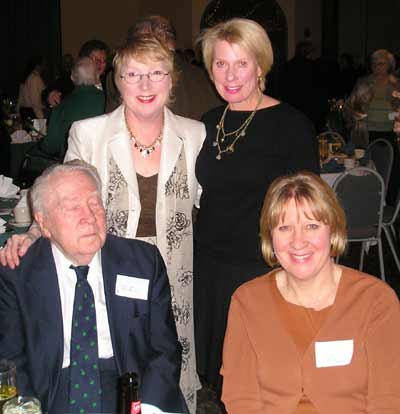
(13, 223)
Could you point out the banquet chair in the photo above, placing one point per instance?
(35, 162)
(361, 192)
(380, 151)
(390, 215)
(332, 136)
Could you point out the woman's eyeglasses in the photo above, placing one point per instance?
(156, 76)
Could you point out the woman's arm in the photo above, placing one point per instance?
(383, 353)
(36, 87)
(240, 390)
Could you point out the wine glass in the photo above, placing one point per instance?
(22, 405)
(8, 381)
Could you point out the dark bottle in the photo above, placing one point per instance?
(129, 400)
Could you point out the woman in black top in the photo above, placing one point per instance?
(249, 143)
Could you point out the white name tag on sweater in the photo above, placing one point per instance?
(132, 287)
(333, 353)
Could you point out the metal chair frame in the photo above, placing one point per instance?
(377, 236)
(385, 173)
(389, 230)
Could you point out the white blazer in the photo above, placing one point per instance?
(103, 139)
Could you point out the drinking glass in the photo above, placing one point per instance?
(8, 381)
(323, 149)
(22, 405)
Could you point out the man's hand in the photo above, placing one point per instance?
(54, 98)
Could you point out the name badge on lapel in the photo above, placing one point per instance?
(132, 287)
(333, 353)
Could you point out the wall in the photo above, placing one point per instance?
(82, 20)
(309, 15)
(100, 20)
(367, 25)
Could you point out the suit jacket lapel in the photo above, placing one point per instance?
(43, 286)
(115, 306)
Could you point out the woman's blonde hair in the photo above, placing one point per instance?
(305, 188)
(245, 33)
(144, 49)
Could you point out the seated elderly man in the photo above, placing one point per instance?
(85, 307)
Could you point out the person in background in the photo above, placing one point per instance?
(310, 336)
(84, 308)
(63, 83)
(374, 94)
(298, 81)
(85, 101)
(145, 155)
(96, 50)
(30, 91)
(250, 141)
(193, 94)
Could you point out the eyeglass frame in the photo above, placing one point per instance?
(139, 77)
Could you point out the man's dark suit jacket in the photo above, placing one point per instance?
(143, 332)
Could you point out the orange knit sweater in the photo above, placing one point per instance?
(264, 373)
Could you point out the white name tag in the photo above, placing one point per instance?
(132, 287)
(333, 353)
(152, 409)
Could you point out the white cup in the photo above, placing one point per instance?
(22, 214)
(349, 163)
(40, 125)
(359, 153)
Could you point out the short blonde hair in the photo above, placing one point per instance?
(245, 33)
(144, 49)
(383, 54)
(303, 187)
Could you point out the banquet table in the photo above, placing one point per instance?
(8, 204)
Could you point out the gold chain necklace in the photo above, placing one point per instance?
(236, 134)
(145, 150)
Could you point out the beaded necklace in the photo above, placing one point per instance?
(145, 150)
(236, 134)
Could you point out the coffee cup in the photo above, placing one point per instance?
(22, 214)
(349, 163)
(359, 153)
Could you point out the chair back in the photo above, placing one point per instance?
(333, 136)
(361, 193)
(381, 153)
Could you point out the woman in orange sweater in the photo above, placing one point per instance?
(310, 336)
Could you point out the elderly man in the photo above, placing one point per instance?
(96, 50)
(85, 101)
(84, 307)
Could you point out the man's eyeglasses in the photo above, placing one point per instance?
(156, 76)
